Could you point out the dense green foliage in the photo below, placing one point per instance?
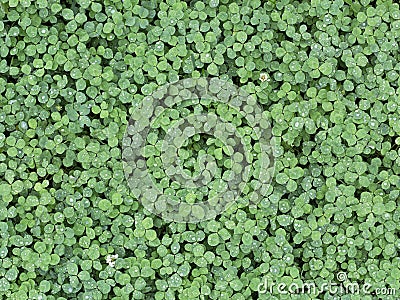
(326, 74)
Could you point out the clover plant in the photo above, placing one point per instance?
(72, 74)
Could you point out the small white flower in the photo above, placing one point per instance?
(263, 77)
(110, 260)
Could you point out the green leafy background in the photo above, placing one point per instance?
(71, 73)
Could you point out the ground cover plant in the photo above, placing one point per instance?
(325, 74)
